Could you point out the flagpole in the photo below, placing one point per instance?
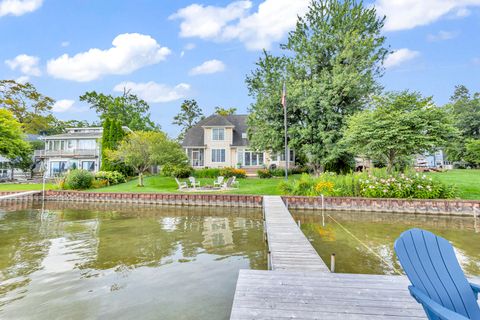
(285, 127)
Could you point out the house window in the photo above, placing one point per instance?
(244, 135)
(218, 134)
(281, 156)
(87, 144)
(218, 155)
(88, 165)
(57, 167)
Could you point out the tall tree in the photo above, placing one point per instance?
(472, 151)
(400, 125)
(225, 111)
(331, 65)
(465, 110)
(31, 108)
(12, 144)
(142, 149)
(129, 109)
(190, 113)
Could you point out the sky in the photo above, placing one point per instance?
(166, 51)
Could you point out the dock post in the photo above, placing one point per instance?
(299, 223)
(332, 263)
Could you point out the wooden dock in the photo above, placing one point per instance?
(289, 249)
(300, 286)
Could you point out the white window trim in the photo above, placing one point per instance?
(213, 135)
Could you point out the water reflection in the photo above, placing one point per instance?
(97, 260)
(363, 241)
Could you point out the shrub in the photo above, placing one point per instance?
(264, 174)
(78, 180)
(167, 170)
(111, 177)
(207, 173)
(182, 172)
(230, 172)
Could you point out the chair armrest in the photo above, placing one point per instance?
(434, 307)
(475, 288)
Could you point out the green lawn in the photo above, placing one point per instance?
(25, 187)
(467, 181)
(168, 185)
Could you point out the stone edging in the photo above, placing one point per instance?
(450, 207)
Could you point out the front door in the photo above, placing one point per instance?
(196, 158)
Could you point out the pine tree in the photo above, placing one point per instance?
(106, 144)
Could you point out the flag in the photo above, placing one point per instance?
(284, 96)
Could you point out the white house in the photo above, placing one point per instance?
(221, 141)
(77, 148)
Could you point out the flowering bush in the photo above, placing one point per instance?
(230, 172)
(405, 186)
(377, 184)
(111, 177)
(264, 174)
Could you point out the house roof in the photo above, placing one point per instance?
(195, 136)
(78, 135)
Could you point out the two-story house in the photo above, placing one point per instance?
(221, 141)
(77, 148)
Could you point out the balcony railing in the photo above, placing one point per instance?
(66, 153)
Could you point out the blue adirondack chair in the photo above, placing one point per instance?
(438, 282)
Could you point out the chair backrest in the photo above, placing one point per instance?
(220, 179)
(192, 179)
(178, 182)
(432, 267)
(229, 182)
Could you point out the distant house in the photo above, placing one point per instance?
(77, 148)
(221, 141)
(6, 171)
(437, 159)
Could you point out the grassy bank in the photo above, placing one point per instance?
(25, 187)
(467, 181)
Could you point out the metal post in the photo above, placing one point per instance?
(285, 127)
(332, 262)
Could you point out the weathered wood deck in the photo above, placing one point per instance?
(321, 295)
(288, 246)
(300, 286)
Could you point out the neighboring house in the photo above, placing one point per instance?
(77, 148)
(6, 168)
(436, 160)
(221, 141)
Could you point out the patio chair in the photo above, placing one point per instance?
(219, 181)
(193, 182)
(235, 182)
(181, 184)
(438, 282)
(228, 184)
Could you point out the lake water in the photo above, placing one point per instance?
(121, 262)
(363, 241)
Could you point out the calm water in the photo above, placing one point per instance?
(99, 262)
(349, 234)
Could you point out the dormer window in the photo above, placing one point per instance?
(218, 134)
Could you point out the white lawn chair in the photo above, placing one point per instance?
(219, 181)
(194, 183)
(235, 183)
(181, 184)
(228, 184)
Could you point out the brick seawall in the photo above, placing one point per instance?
(449, 207)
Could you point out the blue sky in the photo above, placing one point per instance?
(167, 51)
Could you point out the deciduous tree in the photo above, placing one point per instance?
(400, 124)
(12, 144)
(190, 113)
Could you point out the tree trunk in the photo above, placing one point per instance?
(140, 179)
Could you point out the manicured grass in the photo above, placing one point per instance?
(467, 181)
(25, 187)
(168, 185)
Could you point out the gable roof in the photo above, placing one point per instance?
(195, 136)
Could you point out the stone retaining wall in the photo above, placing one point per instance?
(450, 207)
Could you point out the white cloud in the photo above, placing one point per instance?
(18, 7)
(257, 30)
(400, 56)
(22, 79)
(130, 52)
(63, 105)
(155, 92)
(408, 14)
(28, 65)
(208, 67)
(441, 36)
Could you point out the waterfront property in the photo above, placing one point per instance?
(77, 148)
(221, 141)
